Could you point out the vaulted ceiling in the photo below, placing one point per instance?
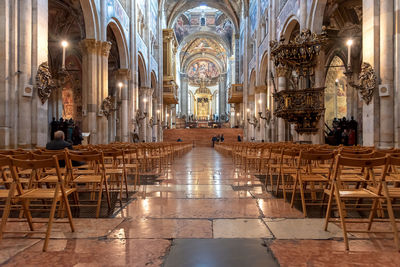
(173, 8)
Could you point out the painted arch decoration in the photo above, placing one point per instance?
(202, 70)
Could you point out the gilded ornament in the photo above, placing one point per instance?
(44, 82)
(367, 82)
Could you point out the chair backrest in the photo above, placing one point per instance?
(94, 161)
(368, 164)
(36, 166)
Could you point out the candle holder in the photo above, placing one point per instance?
(253, 121)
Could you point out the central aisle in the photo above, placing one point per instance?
(201, 214)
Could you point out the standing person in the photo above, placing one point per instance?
(239, 138)
(70, 130)
(352, 137)
(222, 138)
(213, 139)
(77, 136)
(53, 128)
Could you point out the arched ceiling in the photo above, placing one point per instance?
(203, 46)
(173, 8)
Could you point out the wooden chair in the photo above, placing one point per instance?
(312, 176)
(56, 195)
(375, 190)
(117, 171)
(90, 180)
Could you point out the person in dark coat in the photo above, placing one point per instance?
(53, 128)
(214, 139)
(239, 138)
(77, 136)
(58, 143)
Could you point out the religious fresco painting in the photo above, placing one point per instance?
(154, 15)
(192, 21)
(264, 5)
(253, 14)
(203, 70)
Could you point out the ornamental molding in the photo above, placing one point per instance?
(44, 82)
(367, 82)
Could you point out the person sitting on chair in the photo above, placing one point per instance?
(58, 143)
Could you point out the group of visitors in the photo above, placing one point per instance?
(218, 138)
(343, 132)
(72, 132)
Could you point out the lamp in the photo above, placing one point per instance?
(64, 45)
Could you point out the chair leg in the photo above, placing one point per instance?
(342, 219)
(99, 200)
(7, 209)
(69, 214)
(303, 201)
(293, 193)
(107, 193)
(51, 218)
(328, 210)
(391, 216)
(372, 213)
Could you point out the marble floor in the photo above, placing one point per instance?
(201, 214)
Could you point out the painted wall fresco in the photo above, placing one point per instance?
(264, 5)
(185, 26)
(154, 16)
(253, 14)
(115, 10)
(202, 70)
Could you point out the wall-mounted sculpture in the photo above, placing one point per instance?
(44, 82)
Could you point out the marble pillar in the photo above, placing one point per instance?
(104, 52)
(370, 54)
(89, 49)
(222, 95)
(25, 72)
(281, 74)
(123, 76)
(386, 73)
(397, 73)
(184, 95)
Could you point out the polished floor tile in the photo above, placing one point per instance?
(193, 208)
(302, 229)
(278, 208)
(87, 252)
(332, 253)
(240, 228)
(163, 228)
(219, 253)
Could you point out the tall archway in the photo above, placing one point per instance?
(66, 22)
(336, 91)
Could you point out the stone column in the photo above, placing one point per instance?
(123, 76)
(90, 87)
(222, 95)
(103, 90)
(149, 96)
(261, 97)
(370, 54)
(25, 72)
(143, 108)
(386, 73)
(397, 73)
(303, 15)
(184, 95)
(281, 74)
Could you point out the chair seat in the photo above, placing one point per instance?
(357, 193)
(44, 193)
(4, 193)
(84, 172)
(88, 179)
(131, 165)
(394, 192)
(313, 178)
(393, 177)
(49, 179)
(114, 171)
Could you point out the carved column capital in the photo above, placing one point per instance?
(123, 74)
(105, 48)
(89, 46)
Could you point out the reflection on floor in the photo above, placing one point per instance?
(201, 213)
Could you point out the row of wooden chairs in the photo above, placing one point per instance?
(32, 181)
(348, 178)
